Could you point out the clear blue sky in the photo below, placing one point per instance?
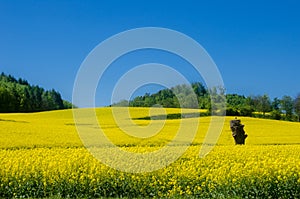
(255, 44)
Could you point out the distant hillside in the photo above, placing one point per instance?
(286, 108)
(17, 95)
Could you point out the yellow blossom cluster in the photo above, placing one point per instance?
(41, 155)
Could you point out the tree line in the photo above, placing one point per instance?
(17, 95)
(286, 108)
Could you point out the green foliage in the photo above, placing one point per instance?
(264, 104)
(297, 107)
(275, 114)
(183, 96)
(20, 96)
(287, 106)
(68, 105)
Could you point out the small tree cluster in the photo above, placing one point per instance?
(183, 96)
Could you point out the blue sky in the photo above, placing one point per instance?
(255, 44)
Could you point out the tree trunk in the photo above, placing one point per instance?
(238, 132)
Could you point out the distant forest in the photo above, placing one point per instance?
(17, 95)
(286, 108)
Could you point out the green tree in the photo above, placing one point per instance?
(69, 105)
(261, 103)
(297, 106)
(265, 104)
(149, 100)
(276, 104)
(20, 96)
(7, 100)
(276, 112)
(199, 89)
(218, 101)
(287, 106)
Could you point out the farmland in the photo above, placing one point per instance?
(41, 155)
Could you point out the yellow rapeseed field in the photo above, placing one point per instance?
(41, 155)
